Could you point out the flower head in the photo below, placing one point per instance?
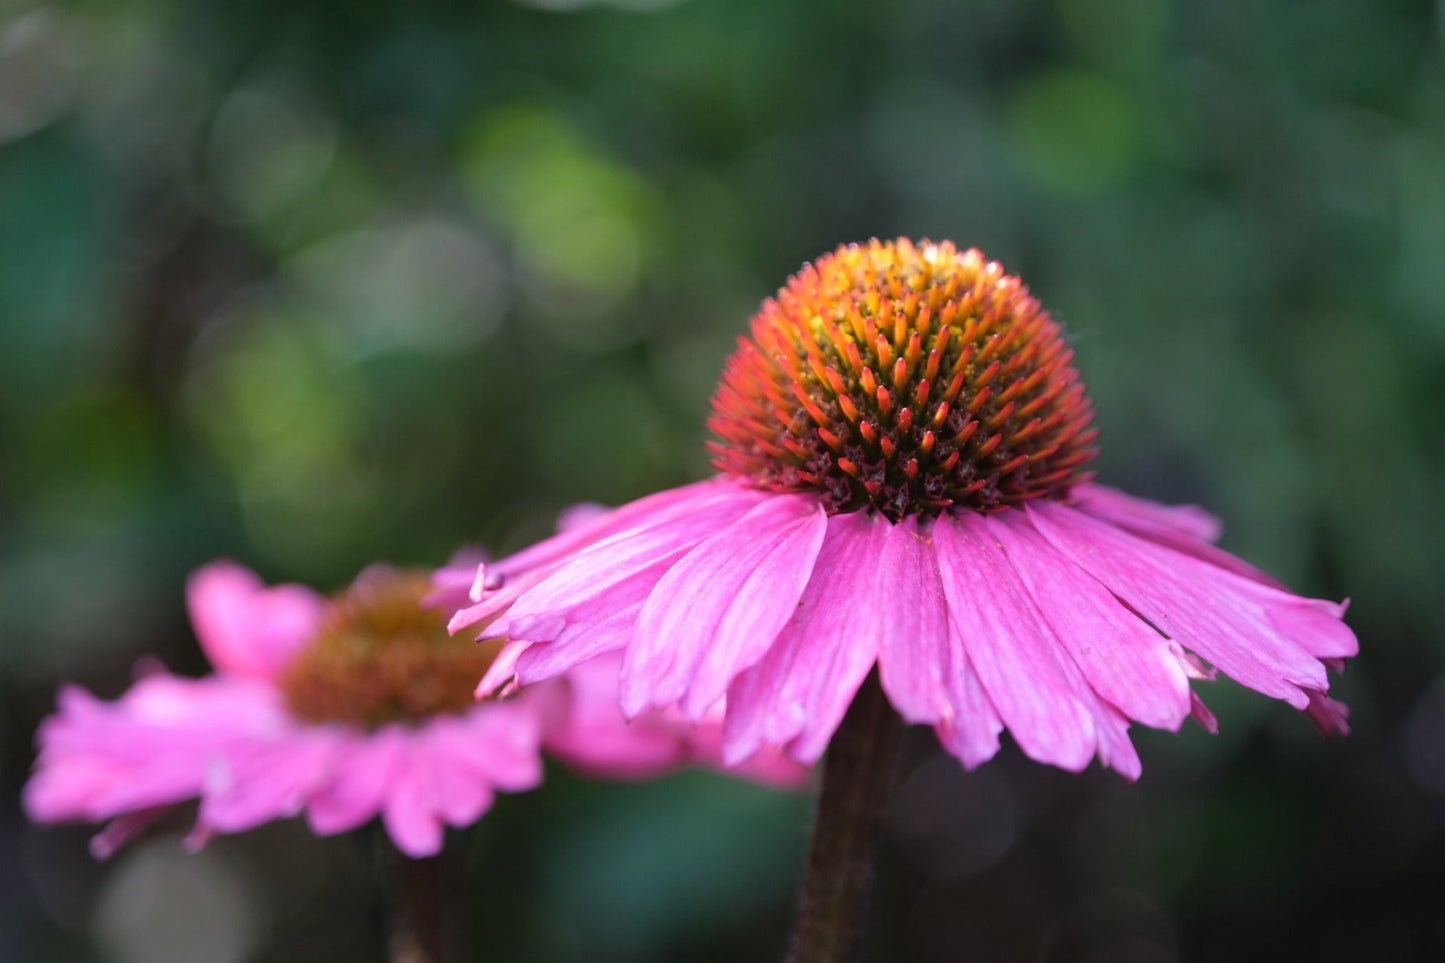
(907, 380)
(901, 446)
(342, 709)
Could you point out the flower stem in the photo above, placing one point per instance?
(857, 776)
(419, 910)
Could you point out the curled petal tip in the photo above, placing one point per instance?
(1201, 714)
(1330, 715)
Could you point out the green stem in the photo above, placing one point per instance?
(857, 777)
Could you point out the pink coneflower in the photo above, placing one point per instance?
(340, 709)
(902, 445)
(903, 527)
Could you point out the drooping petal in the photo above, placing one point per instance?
(1125, 661)
(580, 516)
(1110, 726)
(1115, 748)
(580, 640)
(459, 796)
(914, 637)
(1220, 615)
(721, 606)
(1317, 626)
(123, 829)
(151, 748)
(245, 627)
(630, 536)
(258, 782)
(1014, 652)
(1130, 511)
(368, 766)
(625, 559)
(501, 674)
(797, 693)
(1330, 715)
(410, 811)
(1200, 713)
(971, 729)
(592, 735)
(546, 644)
(499, 742)
(660, 510)
(451, 766)
(575, 533)
(1184, 528)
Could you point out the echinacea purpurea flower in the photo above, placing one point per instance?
(340, 709)
(902, 446)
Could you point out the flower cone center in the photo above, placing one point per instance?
(379, 656)
(906, 378)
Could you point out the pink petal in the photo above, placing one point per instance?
(460, 796)
(452, 583)
(248, 786)
(611, 556)
(1330, 715)
(498, 742)
(592, 735)
(503, 669)
(1184, 528)
(629, 560)
(1222, 616)
(583, 638)
(492, 602)
(410, 813)
(577, 534)
(1127, 663)
(1317, 626)
(641, 552)
(366, 766)
(1201, 714)
(245, 628)
(914, 652)
(1115, 749)
(98, 760)
(721, 606)
(430, 791)
(581, 516)
(123, 829)
(768, 766)
(572, 634)
(1130, 511)
(798, 692)
(1013, 650)
(970, 731)
(439, 771)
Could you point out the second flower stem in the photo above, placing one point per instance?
(419, 923)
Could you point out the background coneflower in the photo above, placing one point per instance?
(340, 710)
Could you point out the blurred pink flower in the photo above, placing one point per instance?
(341, 709)
(901, 443)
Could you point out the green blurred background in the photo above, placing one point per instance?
(312, 284)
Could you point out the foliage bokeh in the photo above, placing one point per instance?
(315, 284)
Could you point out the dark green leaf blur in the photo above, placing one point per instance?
(315, 284)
